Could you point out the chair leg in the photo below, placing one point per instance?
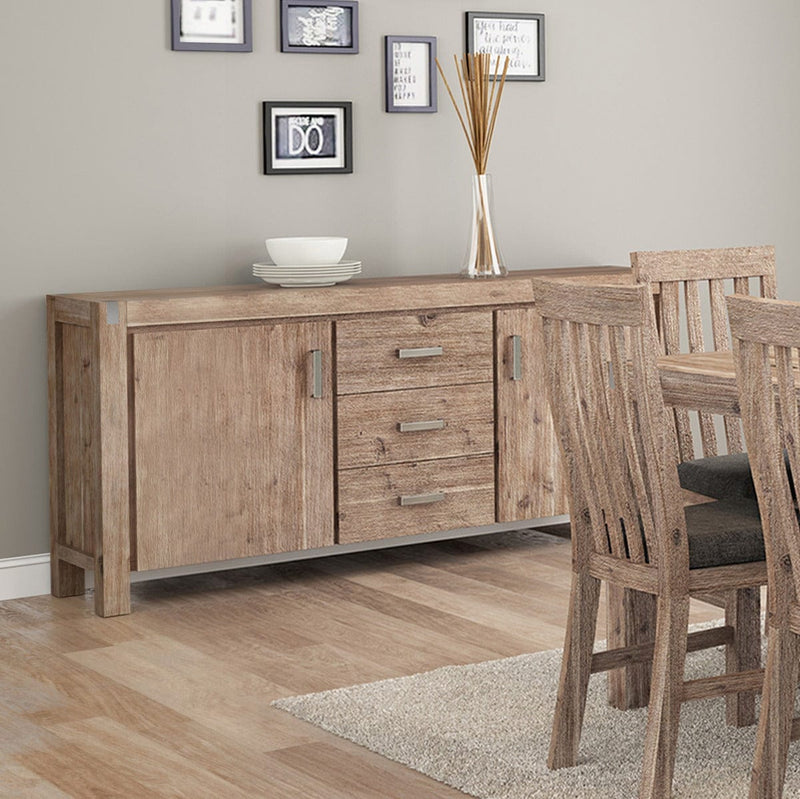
(743, 613)
(631, 621)
(575, 670)
(777, 711)
(661, 736)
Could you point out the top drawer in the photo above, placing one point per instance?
(394, 352)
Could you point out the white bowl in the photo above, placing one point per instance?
(306, 250)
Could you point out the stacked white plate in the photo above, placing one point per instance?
(307, 276)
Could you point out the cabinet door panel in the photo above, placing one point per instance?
(530, 483)
(233, 456)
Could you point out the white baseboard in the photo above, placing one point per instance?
(25, 576)
(30, 574)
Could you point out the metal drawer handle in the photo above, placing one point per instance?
(420, 352)
(414, 427)
(516, 357)
(316, 369)
(421, 499)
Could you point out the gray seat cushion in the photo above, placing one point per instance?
(724, 533)
(720, 476)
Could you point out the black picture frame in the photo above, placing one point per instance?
(520, 36)
(304, 29)
(204, 37)
(408, 82)
(307, 137)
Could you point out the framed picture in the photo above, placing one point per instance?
(319, 26)
(307, 138)
(410, 74)
(518, 36)
(212, 25)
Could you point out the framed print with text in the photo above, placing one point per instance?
(518, 36)
(212, 25)
(410, 74)
(319, 26)
(307, 138)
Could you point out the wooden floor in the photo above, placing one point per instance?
(173, 700)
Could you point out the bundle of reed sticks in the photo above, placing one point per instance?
(481, 91)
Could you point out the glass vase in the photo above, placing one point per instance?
(483, 258)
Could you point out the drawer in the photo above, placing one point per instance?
(387, 353)
(409, 498)
(415, 424)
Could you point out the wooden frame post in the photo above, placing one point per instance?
(111, 478)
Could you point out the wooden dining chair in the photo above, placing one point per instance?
(688, 286)
(629, 526)
(768, 336)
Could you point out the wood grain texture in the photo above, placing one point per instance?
(111, 479)
(530, 481)
(767, 334)
(701, 278)
(65, 578)
(369, 499)
(93, 430)
(173, 700)
(359, 296)
(629, 527)
(228, 438)
(368, 351)
(704, 380)
(368, 425)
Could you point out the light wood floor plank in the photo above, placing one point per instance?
(173, 700)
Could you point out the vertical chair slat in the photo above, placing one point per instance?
(634, 492)
(670, 334)
(721, 339)
(694, 324)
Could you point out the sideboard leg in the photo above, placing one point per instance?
(112, 472)
(65, 579)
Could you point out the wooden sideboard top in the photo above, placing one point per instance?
(364, 295)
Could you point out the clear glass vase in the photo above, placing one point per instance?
(483, 258)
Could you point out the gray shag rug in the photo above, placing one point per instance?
(485, 729)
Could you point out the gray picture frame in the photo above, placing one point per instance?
(295, 12)
(179, 41)
(394, 106)
(526, 51)
(295, 134)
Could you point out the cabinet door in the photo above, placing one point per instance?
(530, 484)
(233, 456)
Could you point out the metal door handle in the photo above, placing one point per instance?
(316, 370)
(421, 499)
(420, 352)
(414, 427)
(516, 357)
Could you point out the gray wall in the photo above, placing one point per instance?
(127, 165)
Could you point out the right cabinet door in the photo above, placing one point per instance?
(530, 483)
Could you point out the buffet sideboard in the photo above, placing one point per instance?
(199, 425)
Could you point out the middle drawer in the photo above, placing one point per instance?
(415, 425)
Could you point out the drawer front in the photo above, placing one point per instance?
(409, 498)
(387, 353)
(416, 424)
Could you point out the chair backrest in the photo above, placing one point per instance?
(767, 334)
(609, 413)
(688, 285)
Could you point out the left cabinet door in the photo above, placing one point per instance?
(233, 442)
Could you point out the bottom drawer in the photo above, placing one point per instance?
(409, 498)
